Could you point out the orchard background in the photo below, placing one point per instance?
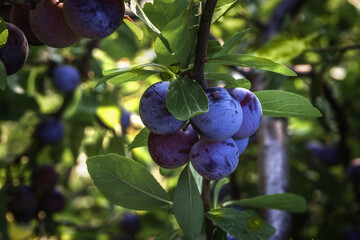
(307, 144)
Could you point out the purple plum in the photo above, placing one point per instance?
(124, 120)
(94, 19)
(52, 201)
(153, 112)
(252, 112)
(328, 154)
(130, 223)
(242, 144)
(50, 131)
(44, 178)
(23, 204)
(15, 51)
(214, 160)
(172, 150)
(66, 78)
(230, 237)
(222, 120)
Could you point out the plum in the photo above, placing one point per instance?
(125, 120)
(214, 160)
(153, 112)
(130, 223)
(52, 201)
(44, 178)
(23, 204)
(328, 154)
(242, 144)
(66, 78)
(172, 150)
(230, 237)
(50, 131)
(252, 112)
(354, 170)
(94, 19)
(49, 26)
(15, 51)
(20, 16)
(223, 118)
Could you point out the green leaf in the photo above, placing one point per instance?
(217, 189)
(213, 48)
(197, 177)
(188, 208)
(160, 13)
(231, 43)
(230, 80)
(2, 76)
(250, 61)
(244, 225)
(221, 8)
(126, 183)
(276, 103)
(140, 139)
(138, 11)
(185, 99)
(181, 34)
(136, 29)
(282, 201)
(3, 33)
(169, 235)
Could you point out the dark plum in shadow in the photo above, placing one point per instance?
(66, 78)
(50, 131)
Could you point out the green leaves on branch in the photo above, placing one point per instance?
(136, 29)
(221, 8)
(140, 139)
(185, 99)
(282, 201)
(244, 225)
(169, 235)
(126, 183)
(188, 208)
(230, 80)
(250, 61)
(277, 103)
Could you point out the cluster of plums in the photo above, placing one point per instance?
(234, 115)
(130, 224)
(26, 201)
(57, 24)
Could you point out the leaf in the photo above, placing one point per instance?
(126, 183)
(250, 61)
(197, 177)
(2, 76)
(231, 81)
(276, 103)
(185, 99)
(231, 43)
(109, 115)
(160, 13)
(217, 189)
(3, 33)
(244, 225)
(181, 34)
(136, 29)
(188, 208)
(169, 235)
(282, 201)
(141, 139)
(221, 8)
(137, 10)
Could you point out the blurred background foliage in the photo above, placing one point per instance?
(310, 41)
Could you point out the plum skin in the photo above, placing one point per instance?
(23, 204)
(20, 16)
(130, 223)
(50, 131)
(15, 51)
(214, 160)
(252, 112)
(44, 178)
(49, 26)
(172, 150)
(94, 19)
(52, 201)
(66, 78)
(222, 120)
(242, 144)
(153, 112)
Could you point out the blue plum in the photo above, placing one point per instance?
(352, 234)
(153, 112)
(44, 178)
(50, 131)
(130, 223)
(172, 150)
(124, 120)
(94, 19)
(23, 203)
(52, 201)
(230, 237)
(15, 51)
(214, 160)
(66, 78)
(223, 118)
(252, 112)
(326, 153)
(49, 26)
(242, 144)
(354, 170)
